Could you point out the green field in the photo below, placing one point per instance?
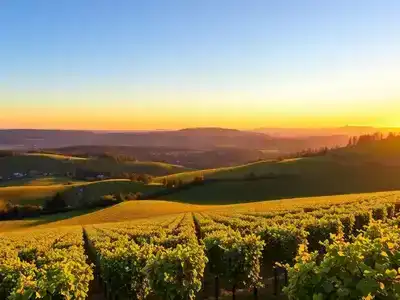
(371, 168)
(35, 195)
(342, 171)
(75, 194)
(91, 192)
(60, 164)
(332, 181)
(292, 166)
(366, 169)
(371, 155)
(39, 181)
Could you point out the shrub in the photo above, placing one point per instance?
(146, 179)
(108, 199)
(134, 196)
(15, 211)
(56, 203)
(198, 179)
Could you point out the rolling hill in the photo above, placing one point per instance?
(33, 195)
(365, 168)
(139, 210)
(369, 167)
(260, 168)
(39, 181)
(126, 211)
(76, 194)
(188, 138)
(61, 164)
(191, 158)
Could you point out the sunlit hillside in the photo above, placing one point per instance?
(380, 152)
(365, 168)
(75, 194)
(145, 209)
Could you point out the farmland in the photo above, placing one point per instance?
(363, 169)
(39, 181)
(142, 257)
(27, 261)
(369, 155)
(139, 210)
(342, 171)
(241, 232)
(75, 194)
(199, 150)
(62, 164)
(126, 211)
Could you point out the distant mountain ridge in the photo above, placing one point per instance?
(188, 138)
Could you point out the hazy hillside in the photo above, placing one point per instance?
(196, 159)
(191, 138)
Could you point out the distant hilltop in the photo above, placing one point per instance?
(199, 139)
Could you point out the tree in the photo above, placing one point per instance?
(146, 179)
(6, 153)
(133, 177)
(391, 136)
(171, 183)
(251, 176)
(120, 197)
(350, 142)
(57, 202)
(198, 179)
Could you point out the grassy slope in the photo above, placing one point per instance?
(38, 190)
(290, 166)
(60, 164)
(330, 180)
(29, 194)
(74, 194)
(369, 168)
(93, 191)
(136, 210)
(382, 152)
(39, 181)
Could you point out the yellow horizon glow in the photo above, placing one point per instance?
(138, 119)
(370, 99)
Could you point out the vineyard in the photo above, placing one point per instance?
(43, 264)
(339, 250)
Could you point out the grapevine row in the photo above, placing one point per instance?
(163, 259)
(43, 265)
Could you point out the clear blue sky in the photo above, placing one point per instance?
(169, 63)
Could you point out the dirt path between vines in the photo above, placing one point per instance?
(96, 291)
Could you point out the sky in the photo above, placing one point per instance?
(165, 64)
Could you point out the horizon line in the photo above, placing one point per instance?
(201, 127)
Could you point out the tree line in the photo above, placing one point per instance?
(354, 141)
(371, 138)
